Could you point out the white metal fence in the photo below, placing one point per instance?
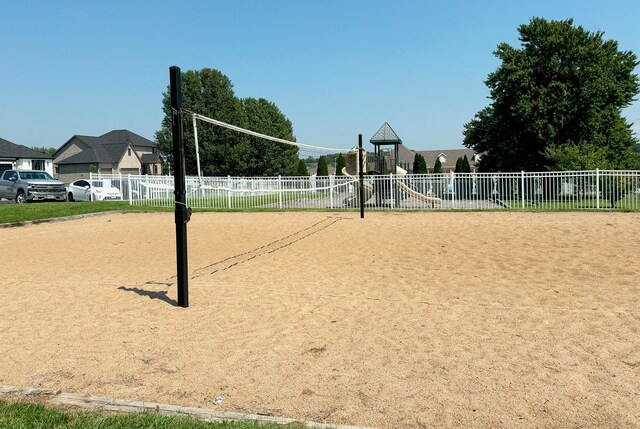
(570, 190)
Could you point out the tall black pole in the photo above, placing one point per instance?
(361, 175)
(182, 213)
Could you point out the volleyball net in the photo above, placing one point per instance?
(326, 177)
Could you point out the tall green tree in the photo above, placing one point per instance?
(459, 165)
(560, 94)
(223, 151)
(419, 165)
(437, 167)
(323, 168)
(301, 169)
(466, 167)
(340, 164)
(264, 157)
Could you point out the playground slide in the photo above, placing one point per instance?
(414, 193)
(368, 188)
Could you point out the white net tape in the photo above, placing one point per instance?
(196, 116)
(278, 190)
(263, 136)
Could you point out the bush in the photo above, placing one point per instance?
(323, 168)
(420, 165)
(437, 168)
(340, 164)
(302, 168)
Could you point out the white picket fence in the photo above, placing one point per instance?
(570, 190)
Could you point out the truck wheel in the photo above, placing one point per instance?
(20, 199)
(71, 197)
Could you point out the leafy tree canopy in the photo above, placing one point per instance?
(560, 95)
(222, 151)
(49, 151)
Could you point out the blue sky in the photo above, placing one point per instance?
(335, 68)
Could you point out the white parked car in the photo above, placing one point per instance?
(94, 190)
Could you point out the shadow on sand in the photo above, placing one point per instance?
(161, 295)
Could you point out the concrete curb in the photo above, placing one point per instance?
(126, 406)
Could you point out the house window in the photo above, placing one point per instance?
(129, 151)
(37, 164)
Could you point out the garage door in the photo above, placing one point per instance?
(130, 171)
(5, 166)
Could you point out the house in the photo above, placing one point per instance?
(15, 156)
(449, 157)
(116, 152)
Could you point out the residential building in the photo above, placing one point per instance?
(15, 156)
(116, 152)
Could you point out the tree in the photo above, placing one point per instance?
(466, 167)
(223, 151)
(459, 165)
(49, 151)
(340, 164)
(560, 94)
(419, 165)
(264, 157)
(302, 168)
(323, 168)
(437, 168)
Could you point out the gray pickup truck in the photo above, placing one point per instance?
(30, 185)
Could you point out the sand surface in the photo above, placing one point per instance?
(401, 320)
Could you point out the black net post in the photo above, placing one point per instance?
(182, 212)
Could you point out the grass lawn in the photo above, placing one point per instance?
(24, 415)
(10, 213)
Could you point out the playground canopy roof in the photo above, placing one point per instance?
(385, 135)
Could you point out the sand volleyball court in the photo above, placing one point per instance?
(402, 320)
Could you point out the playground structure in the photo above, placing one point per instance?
(352, 170)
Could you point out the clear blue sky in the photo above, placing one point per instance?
(335, 68)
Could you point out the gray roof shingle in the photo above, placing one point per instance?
(108, 148)
(150, 158)
(18, 151)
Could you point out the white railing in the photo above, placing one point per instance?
(567, 190)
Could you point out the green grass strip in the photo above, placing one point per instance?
(11, 213)
(24, 415)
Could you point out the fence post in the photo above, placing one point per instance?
(522, 187)
(120, 183)
(280, 188)
(597, 188)
(392, 194)
(129, 189)
(228, 192)
(453, 189)
(332, 182)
